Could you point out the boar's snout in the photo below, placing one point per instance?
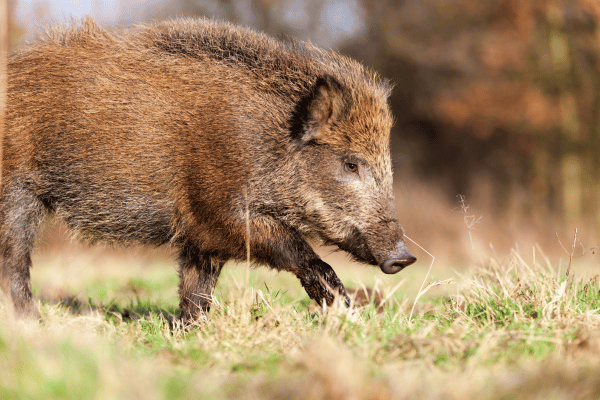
(380, 244)
(400, 259)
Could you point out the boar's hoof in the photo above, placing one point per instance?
(396, 265)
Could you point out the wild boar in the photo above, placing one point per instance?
(212, 138)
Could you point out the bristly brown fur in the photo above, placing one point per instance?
(174, 132)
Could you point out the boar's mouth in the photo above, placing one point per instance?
(357, 245)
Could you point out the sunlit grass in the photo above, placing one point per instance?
(502, 329)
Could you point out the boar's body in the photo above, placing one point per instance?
(203, 135)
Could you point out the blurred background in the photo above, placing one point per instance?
(497, 101)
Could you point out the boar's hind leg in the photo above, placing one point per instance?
(198, 274)
(20, 215)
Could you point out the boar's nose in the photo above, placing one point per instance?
(398, 261)
(396, 265)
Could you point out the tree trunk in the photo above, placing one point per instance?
(3, 58)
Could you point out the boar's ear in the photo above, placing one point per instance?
(322, 106)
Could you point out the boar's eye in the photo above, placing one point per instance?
(350, 167)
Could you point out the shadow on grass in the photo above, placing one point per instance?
(139, 308)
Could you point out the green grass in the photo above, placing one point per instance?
(500, 330)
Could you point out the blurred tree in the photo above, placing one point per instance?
(3, 58)
(9, 37)
(15, 32)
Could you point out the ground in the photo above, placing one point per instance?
(516, 327)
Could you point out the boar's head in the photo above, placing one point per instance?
(344, 172)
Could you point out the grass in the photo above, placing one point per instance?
(502, 329)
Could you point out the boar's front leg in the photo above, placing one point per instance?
(198, 274)
(316, 276)
(319, 279)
